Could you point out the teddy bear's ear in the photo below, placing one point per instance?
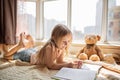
(98, 37)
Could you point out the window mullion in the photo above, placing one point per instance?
(69, 13)
(104, 21)
(39, 19)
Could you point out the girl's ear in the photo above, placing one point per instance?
(98, 37)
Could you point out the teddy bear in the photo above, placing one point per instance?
(91, 51)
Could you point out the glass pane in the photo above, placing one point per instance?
(54, 12)
(113, 30)
(26, 17)
(86, 18)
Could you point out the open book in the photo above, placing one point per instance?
(87, 72)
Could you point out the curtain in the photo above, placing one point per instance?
(8, 19)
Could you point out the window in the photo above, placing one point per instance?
(55, 12)
(82, 16)
(86, 18)
(113, 8)
(26, 17)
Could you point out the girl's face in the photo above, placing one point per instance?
(64, 41)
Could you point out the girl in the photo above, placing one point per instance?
(51, 54)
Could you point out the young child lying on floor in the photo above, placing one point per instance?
(50, 55)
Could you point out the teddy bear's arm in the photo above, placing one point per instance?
(99, 52)
(81, 51)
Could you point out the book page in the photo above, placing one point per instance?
(91, 67)
(86, 73)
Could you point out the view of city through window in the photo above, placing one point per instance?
(86, 17)
(113, 30)
(26, 17)
(55, 12)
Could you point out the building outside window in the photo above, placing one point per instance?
(114, 9)
(82, 16)
(86, 18)
(26, 17)
(55, 12)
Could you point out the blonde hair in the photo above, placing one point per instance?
(58, 32)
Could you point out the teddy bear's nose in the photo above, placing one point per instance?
(89, 38)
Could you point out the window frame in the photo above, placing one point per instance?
(40, 20)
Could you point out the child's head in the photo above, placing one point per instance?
(62, 36)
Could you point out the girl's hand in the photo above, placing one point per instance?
(75, 64)
(79, 64)
(72, 65)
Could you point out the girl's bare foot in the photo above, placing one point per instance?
(30, 42)
(30, 39)
(21, 42)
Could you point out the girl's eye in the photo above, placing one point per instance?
(65, 42)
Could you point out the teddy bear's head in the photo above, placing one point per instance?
(92, 39)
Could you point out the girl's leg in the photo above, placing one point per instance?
(9, 53)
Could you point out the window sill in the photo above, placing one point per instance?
(81, 44)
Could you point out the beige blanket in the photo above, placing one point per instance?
(18, 70)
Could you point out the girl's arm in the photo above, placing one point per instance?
(60, 59)
(50, 60)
